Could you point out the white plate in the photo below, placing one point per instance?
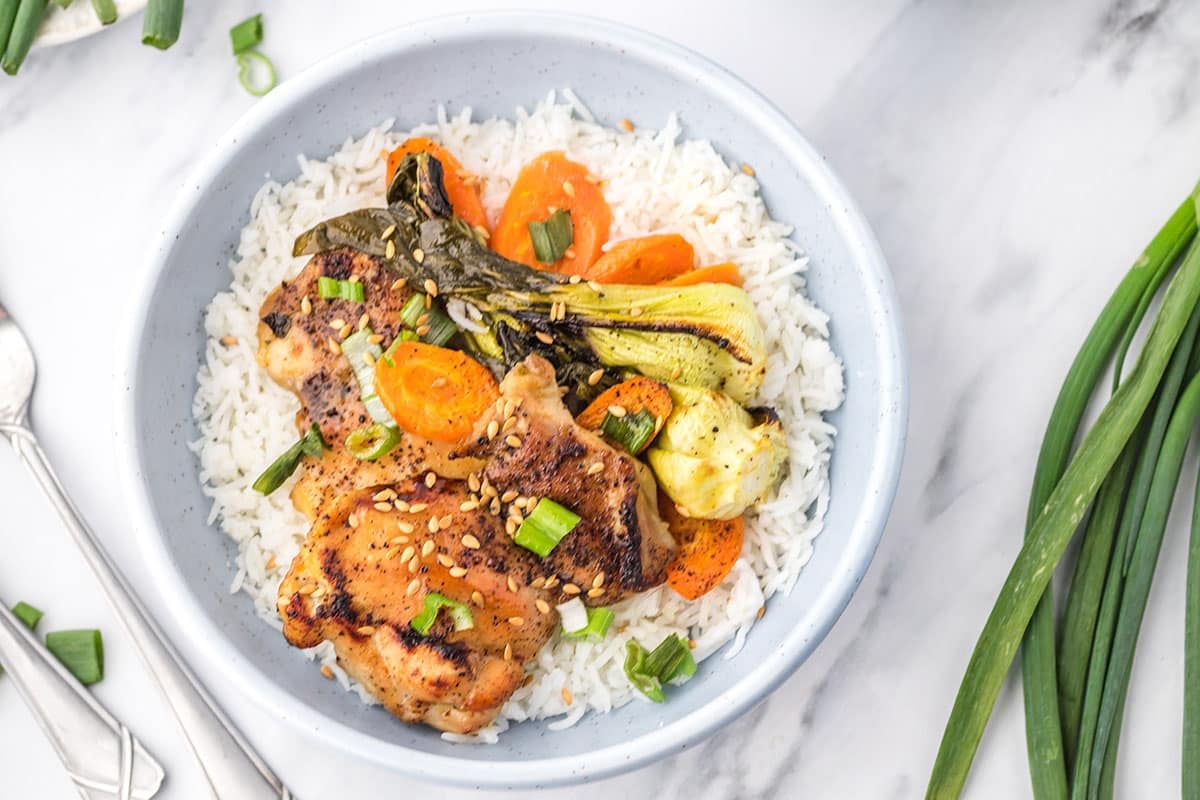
(79, 20)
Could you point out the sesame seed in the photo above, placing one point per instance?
(305, 306)
(595, 592)
(595, 377)
(495, 506)
(433, 525)
(352, 520)
(521, 502)
(368, 359)
(417, 508)
(424, 318)
(428, 301)
(426, 548)
(399, 540)
(408, 553)
(512, 584)
(477, 598)
(337, 323)
(676, 372)
(439, 382)
(761, 610)
(366, 630)
(543, 606)
(345, 331)
(326, 672)
(445, 521)
(569, 252)
(457, 572)
(445, 560)
(538, 583)
(229, 341)
(617, 411)
(531, 501)
(468, 505)
(430, 479)
(551, 209)
(418, 255)
(568, 189)
(390, 250)
(470, 541)
(570, 588)
(492, 429)
(333, 346)
(414, 565)
(590, 178)
(387, 232)
(574, 279)
(595, 468)
(512, 441)
(544, 338)
(431, 287)
(596, 287)
(551, 581)
(683, 512)
(510, 527)
(399, 283)
(364, 321)
(626, 125)
(509, 496)
(749, 170)
(320, 591)
(385, 507)
(413, 586)
(509, 407)
(635, 312)
(516, 622)
(515, 515)
(423, 330)
(508, 652)
(384, 496)
(598, 581)
(390, 555)
(473, 482)
(306, 590)
(407, 527)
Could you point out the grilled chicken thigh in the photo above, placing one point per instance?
(363, 574)
(534, 448)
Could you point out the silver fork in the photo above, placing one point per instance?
(233, 769)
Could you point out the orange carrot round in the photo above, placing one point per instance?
(464, 196)
(726, 272)
(708, 549)
(645, 260)
(632, 395)
(434, 392)
(547, 183)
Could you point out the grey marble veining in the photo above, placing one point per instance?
(1013, 159)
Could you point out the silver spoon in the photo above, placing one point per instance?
(233, 769)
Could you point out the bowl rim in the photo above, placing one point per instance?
(222, 658)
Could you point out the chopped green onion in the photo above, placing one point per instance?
(441, 327)
(1191, 659)
(633, 431)
(256, 73)
(106, 11)
(598, 622)
(552, 237)
(25, 24)
(372, 442)
(63, 3)
(8, 13)
(362, 354)
(246, 34)
(460, 614)
(81, 652)
(334, 289)
(671, 661)
(311, 444)
(545, 527)
(160, 27)
(28, 615)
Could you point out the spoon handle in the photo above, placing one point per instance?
(233, 769)
(102, 758)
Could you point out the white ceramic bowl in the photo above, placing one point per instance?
(495, 63)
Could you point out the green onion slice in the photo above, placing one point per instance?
(671, 661)
(106, 11)
(311, 444)
(372, 442)
(81, 652)
(545, 527)
(256, 73)
(246, 34)
(415, 315)
(460, 614)
(28, 615)
(633, 431)
(334, 289)
(161, 24)
(594, 630)
(552, 237)
(362, 354)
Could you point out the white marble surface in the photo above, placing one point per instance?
(1013, 157)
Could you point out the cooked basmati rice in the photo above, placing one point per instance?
(654, 182)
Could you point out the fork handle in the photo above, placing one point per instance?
(102, 758)
(233, 769)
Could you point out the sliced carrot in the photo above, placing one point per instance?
(645, 260)
(547, 183)
(708, 549)
(434, 392)
(464, 196)
(726, 272)
(632, 395)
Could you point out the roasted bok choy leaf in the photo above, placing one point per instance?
(705, 335)
(713, 458)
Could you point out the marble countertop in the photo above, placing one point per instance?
(1012, 157)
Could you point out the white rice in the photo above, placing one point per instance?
(654, 183)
